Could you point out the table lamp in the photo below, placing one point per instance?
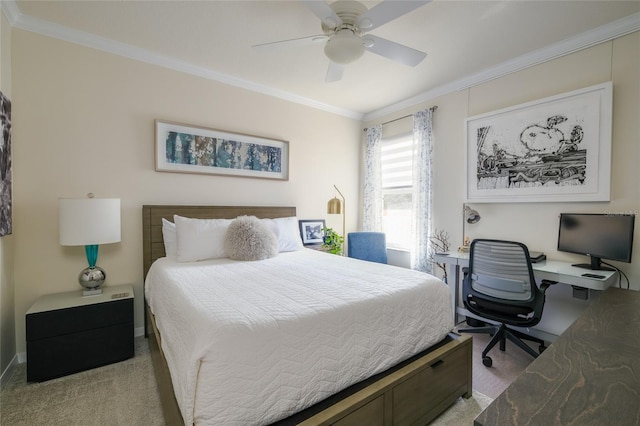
(89, 222)
(334, 206)
(469, 216)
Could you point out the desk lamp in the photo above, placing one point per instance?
(469, 216)
(89, 222)
(335, 207)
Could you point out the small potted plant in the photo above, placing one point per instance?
(332, 242)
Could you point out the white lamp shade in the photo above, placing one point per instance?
(89, 221)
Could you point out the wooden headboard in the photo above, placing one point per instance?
(152, 244)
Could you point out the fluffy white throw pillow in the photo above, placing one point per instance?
(248, 238)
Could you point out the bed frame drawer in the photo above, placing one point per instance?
(443, 378)
(371, 414)
(413, 395)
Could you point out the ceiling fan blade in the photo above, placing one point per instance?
(294, 42)
(386, 11)
(334, 72)
(322, 10)
(389, 49)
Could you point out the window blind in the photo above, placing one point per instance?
(397, 162)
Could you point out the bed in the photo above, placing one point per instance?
(270, 375)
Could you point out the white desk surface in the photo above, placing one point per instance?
(554, 270)
(561, 308)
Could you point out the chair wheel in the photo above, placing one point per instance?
(487, 361)
(542, 348)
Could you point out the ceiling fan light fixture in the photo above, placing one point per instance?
(367, 42)
(330, 22)
(365, 23)
(344, 47)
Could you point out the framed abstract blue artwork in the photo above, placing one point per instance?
(556, 149)
(189, 149)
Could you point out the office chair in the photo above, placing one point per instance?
(370, 246)
(499, 285)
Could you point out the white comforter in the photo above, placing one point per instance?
(254, 342)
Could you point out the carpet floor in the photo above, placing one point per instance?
(126, 393)
(119, 394)
(463, 411)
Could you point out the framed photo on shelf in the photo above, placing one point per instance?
(556, 149)
(184, 148)
(311, 231)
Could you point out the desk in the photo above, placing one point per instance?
(560, 310)
(589, 375)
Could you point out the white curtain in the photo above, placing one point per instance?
(422, 162)
(372, 217)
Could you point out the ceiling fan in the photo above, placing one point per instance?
(345, 26)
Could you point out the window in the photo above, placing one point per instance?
(397, 198)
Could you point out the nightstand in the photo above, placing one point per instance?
(68, 332)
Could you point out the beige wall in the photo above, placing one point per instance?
(84, 122)
(7, 299)
(536, 224)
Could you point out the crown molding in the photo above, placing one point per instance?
(11, 11)
(587, 39)
(60, 32)
(602, 34)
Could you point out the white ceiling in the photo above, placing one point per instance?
(466, 42)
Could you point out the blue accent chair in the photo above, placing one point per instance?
(370, 246)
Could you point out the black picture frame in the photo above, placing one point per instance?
(311, 231)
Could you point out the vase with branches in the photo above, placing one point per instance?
(439, 244)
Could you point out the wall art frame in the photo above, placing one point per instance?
(6, 168)
(556, 149)
(184, 148)
(312, 231)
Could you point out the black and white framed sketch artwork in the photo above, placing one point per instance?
(552, 149)
(5, 167)
(311, 231)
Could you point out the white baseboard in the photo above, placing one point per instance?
(139, 331)
(8, 372)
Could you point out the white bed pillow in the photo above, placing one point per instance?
(200, 239)
(169, 237)
(249, 238)
(286, 229)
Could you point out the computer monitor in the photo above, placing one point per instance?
(599, 236)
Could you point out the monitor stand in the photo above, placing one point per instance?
(588, 266)
(595, 265)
